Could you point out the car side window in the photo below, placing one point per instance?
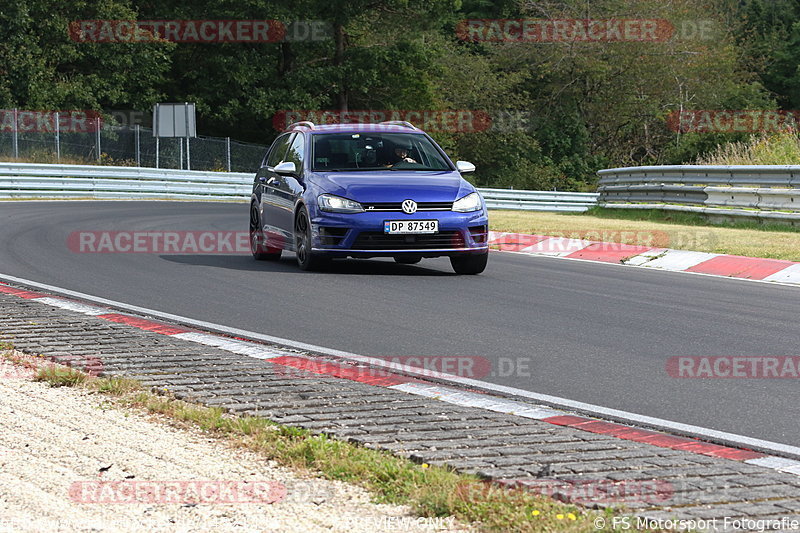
(296, 153)
(276, 155)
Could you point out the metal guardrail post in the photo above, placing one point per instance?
(188, 156)
(156, 152)
(138, 148)
(228, 152)
(97, 137)
(16, 133)
(58, 138)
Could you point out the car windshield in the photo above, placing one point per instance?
(376, 151)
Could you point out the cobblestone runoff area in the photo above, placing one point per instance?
(510, 449)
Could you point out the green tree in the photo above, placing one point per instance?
(43, 68)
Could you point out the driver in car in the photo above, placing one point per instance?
(401, 154)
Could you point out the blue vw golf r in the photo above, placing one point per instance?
(366, 190)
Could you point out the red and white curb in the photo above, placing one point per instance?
(731, 266)
(410, 380)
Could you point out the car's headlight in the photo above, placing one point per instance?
(337, 204)
(471, 202)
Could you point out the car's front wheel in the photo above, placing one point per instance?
(306, 258)
(469, 263)
(260, 251)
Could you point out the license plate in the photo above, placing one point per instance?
(410, 227)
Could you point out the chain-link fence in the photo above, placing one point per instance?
(128, 146)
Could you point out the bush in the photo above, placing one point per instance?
(782, 148)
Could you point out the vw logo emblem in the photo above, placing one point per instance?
(409, 207)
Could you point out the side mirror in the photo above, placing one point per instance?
(465, 167)
(287, 168)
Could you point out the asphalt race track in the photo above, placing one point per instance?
(592, 332)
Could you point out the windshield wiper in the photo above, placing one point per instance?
(415, 168)
(357, 169)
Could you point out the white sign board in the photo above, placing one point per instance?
(174, 120)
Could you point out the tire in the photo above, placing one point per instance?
(260, 251)
(408, 259)
(469, 263)
(306, 259)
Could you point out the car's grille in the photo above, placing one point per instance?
(398, 206)
(374, 240)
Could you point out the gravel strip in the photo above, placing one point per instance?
(55, 437)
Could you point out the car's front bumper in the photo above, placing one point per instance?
(362, 234)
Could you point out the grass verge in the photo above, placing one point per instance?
(652, 227)
(60, 376)
(430, 491)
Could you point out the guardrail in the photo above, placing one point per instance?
(571, 202)
(31, 180)
(760, 192)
